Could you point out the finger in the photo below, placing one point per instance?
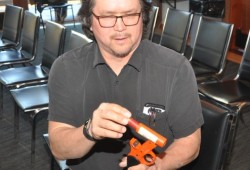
(116, 108)
(109, 119)
(113, 126)
(139, 167)
(115, 117)
(105, 133)
(123, 162)
(112, 112)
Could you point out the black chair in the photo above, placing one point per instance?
(77, 39)
(53, 47)
(32, 103)
(27, 51)
(210, 49)
(35, 98)
(22, 76)
(12, 27)
(217, 135)
(176, 29)
(151, 25)
(232, 94)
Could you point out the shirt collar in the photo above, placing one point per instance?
(135, 61)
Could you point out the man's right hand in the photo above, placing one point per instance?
(109, 121)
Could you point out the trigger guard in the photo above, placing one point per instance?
(152, 157)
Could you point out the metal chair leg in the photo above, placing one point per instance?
(50, 8)
(16, 123)
(41, 20)
(73, 15)
(33, 136)
(1, 101)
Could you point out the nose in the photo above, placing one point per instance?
(119, 25)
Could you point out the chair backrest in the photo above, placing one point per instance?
(152, 21)
(211, 43)
(244, 69)
(176, 29)
(216, 138)
(53, 43)
(77, 39)
(12, 23)
(30, 34)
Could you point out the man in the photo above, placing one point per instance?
(95, 89)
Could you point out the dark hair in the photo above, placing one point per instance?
(85, 15)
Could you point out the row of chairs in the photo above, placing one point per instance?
(232, 95)
(28, 83)
(208, 59)
(212, 39)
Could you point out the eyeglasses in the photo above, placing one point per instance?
(110, 21)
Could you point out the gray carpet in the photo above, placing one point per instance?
(16, 154)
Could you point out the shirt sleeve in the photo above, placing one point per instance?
(60, 99)
(185, 113)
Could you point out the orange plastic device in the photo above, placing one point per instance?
(143, 152)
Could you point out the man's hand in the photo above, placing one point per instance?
(109, 121)
(123, 164)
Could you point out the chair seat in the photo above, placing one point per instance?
(19, 75)
(26, 97)
(11, 56)
(227, 92)
(6, 44)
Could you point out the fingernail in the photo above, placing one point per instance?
(124, 129)
(128, 114)
(125, 121)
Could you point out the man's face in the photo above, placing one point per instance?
(119, 40)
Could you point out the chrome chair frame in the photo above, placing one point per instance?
(208, 56)
(12, 27)
(24, 96)
(28, 46)
(151, 25)
(231, 94)
(176, 29)
(34, 74)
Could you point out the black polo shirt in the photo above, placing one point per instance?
(80, 81)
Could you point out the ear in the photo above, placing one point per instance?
(91, 29)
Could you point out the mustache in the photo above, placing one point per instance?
(120, 35)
